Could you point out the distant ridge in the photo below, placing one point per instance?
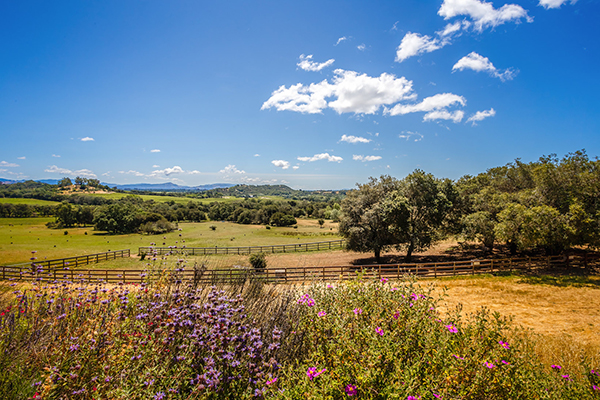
(135, 186)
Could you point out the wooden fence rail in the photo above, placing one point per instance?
(70, 262)
(282, 248)
(304, 274)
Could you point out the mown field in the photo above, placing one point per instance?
(20, 236)
(8, 200)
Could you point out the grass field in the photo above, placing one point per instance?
(20, 236)
(30, 202)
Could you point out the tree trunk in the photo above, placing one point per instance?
(513, 248)
(409, 252)
(378, 256)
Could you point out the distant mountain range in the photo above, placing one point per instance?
(136, 186)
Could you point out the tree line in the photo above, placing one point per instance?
(132, 214)
(549, 205)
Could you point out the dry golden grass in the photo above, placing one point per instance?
(562, 313)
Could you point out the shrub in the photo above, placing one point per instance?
(258, 261)
(212, 227)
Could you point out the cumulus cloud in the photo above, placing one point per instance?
(414, 44)
(295, 167)
(168, 171)
(352, 93)
(354, 139)
(483, 14)
(410, 135)
(307, 64)
(84, 173)
(87, 139)
(433, 103)
(281, 164)
(365, 158)
(481, 115)
(479, 63)
(322, 156)
(455, 116)
(155, 151)
(231, 169)
(8, 164)
(554, 3)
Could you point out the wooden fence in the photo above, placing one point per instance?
(306, 274)
(69, 262)
(282, 248)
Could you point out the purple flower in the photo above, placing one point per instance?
(556, 367)
(379, 330)
(384, 280)
(321, 313)
(489, 365)
(594, 387)
(351, 390)
(504, 344)
(413, 398)
(451, 328)
(567, 377)
(458, 357)
(358, 311)
(159, 396)
(306, 299)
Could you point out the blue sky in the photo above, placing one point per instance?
(312, 94)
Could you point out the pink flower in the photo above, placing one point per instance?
(379, 331)
(384, 280)
(351, 390)
(504, 344)
(312, 372)
(458, 357)
(358, 311)
(321, 313)
(272, 381)
(489, 365)
(567, 377)
(556, 367)
(451, 328)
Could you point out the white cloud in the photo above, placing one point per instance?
(155, 151)
(132, 172)
(322, 156)
(84, 173)
(361, 47)
(194, 172)
(168, 171)
(481, 115)
(354, 139)
(87, 139)
(365, 158)
(455, 116)
(55, 155)
(479, 63)
(281, 164)
(231, 169)
(353, 92)
(156, 166)
(340, 40)
(20, 158)
(409, 135)
(8, 164)
(436, 102)
(257, 155)
(395, 27)
(482, 13)
(295, 167)
(414, 44)
(307, 64)
(554, 3)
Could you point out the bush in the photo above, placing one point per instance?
(258, 261)
(212, 228)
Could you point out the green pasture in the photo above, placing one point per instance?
(179, 200)
(30, 202)
(20, 236)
